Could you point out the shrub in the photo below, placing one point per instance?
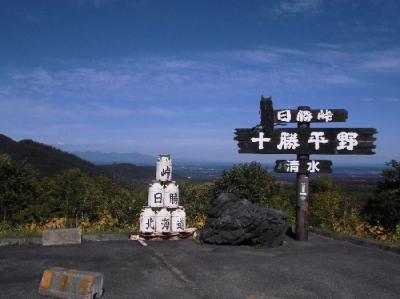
(195, 198)
(253, 182)
(325, 209)
(323, 184)
(250, 181)
(383, 207)
(20, 192)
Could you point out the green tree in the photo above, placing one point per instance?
(137, 200)
(252, 181)
(122, 203)
(195, 198)
(330, 207)
(325, 209)
(323, 184)
(384, 206)
(20, 192)
(326, 202)
(72, 189)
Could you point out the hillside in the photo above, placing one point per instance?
(127, 173)
(50, 161)
(47, 159)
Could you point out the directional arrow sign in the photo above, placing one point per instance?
(323, 141)
(303, 166)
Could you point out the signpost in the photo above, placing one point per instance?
(303, 141)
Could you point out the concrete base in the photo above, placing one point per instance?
(61, 236)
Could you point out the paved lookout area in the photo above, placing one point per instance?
(320, 268)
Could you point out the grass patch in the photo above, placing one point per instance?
(391, 243)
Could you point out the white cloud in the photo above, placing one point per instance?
(383, 62)
(109, 102)
(95, 3)
(382, 99)
(211, 76)
(299, 7)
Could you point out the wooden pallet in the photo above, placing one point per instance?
(187, 234)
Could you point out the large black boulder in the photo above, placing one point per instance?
(235, 221)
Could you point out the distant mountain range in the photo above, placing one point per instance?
(50, 161)
(136, 158)
(109, 158)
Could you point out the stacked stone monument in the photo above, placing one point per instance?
(163, 215)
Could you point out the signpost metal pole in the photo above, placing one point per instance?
(302, 192)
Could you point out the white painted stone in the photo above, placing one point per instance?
(156, 194)
(164, 168)
(147, 221)
(171, 199)
(163, 221)
(178, 220)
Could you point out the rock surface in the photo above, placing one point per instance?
(235, 221)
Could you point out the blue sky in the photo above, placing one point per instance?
(179, 76)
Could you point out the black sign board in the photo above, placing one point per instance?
(315, 115)
(323, 141)
(303, 166)
(303, 141)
